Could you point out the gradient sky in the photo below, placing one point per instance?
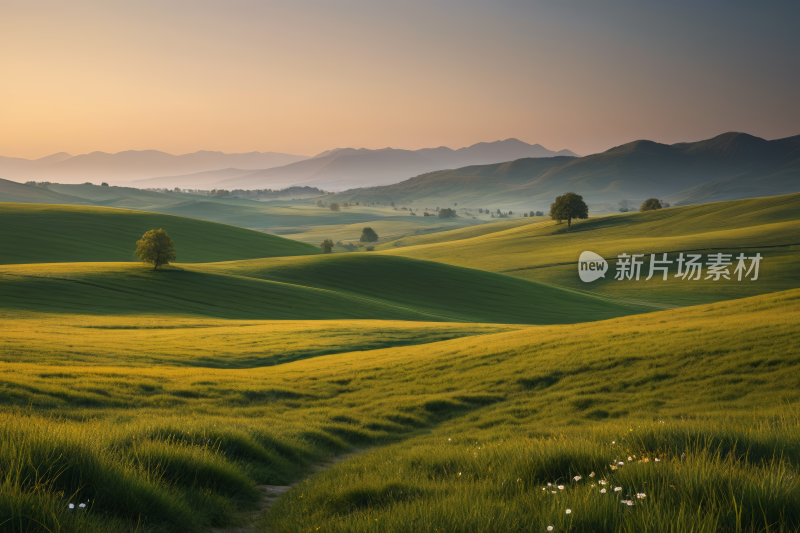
(306, 76)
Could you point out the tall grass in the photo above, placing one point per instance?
(677, 476)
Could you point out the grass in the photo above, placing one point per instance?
(35, 233)
(342, 286)
(164, 398)
(548, 252)
(560, 390)
(145, 341)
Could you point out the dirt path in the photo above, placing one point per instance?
(271, 493)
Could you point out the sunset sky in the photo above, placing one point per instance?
(306, 76)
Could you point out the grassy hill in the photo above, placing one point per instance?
(738, 165)
(36, 233)
(488, 421)
(11, 191)
(548, 253)
(344, 286)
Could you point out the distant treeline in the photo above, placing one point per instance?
(256, 194)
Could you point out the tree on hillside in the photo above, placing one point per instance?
(446, 212)
(334, 206)
(368, 235)
(104, 184)
(651, 204)
(569, 206)
(327, 246)
(155, 247)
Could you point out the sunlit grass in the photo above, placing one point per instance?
(565, 392)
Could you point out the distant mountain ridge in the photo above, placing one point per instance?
(729, 166)
(336, 169)
(343, 168)
(122, 167)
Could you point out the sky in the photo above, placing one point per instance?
(305, 76)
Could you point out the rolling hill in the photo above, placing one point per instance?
(547, 252)
(729, 166)
(37, 233)
(11, 191)
(342, 286)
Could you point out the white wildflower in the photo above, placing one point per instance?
(602, 491)
(603, 482)
(617, 489)
(561, 487)
(577, 478)
(549, 528)
(641, 495)
(569, 511)
(591, 475)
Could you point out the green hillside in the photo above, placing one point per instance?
(734, 165)
(342, 286)
(37, 233)
(548, 253)
(11, 191)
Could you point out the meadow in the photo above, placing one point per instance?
(478, 385)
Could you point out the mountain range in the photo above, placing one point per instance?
(123, 167)
(728, 166)
(336, 169)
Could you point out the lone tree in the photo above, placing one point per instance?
(569, 206)
(368, 235)
(447, 213)
(327, 246)
(334, 206)
(651, 204)
(155, 247)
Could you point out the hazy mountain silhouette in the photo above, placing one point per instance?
(342, 168)
(729, 166)
(130, 165)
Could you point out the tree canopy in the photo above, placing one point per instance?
(334, 206)
(327, 246)
(447, 213)
(569, 206)
(651, 204)
(368, 235)
(155, 247)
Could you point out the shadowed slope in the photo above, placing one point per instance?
(59, 233)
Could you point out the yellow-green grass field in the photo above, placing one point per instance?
(38, 233)
(143, 341)
(179, 447)
(548, 253)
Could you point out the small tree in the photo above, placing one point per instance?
(651, 204)
(104, 184)
(327, 246)
(446, 212)
(569, 206)
(368, 235)
(155, 247)
(334, 206)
